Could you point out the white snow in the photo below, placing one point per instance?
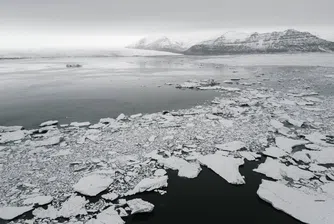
(9, 213)
(226, 167)
(80, 124)
(302, 206)
(287, 143)
(149, 184)
(140, 206)
(274, 169)
(107, 216)
(92, 185)
(231, 146)
(48, 123)
(39, 200)
(12, 136)
(328, 188)
(274, 152)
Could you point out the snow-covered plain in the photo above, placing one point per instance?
(61, 165)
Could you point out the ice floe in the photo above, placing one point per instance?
(275, 169)
(149, 184)
(140, 206)
(107, 216)
(287, 144)
(226, 167)
(10, 128)
(231, 146)
(274, 152)
(92, 185)
(9, 213)
(39, 200)
(306, 207)
(12, 136)
(80, 124)
(48, 123)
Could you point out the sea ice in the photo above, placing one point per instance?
(287, 143)
(140, 206)
(74, 206)
(231, 146)
(160, 172)
(49, 141)
(107, 216)
(92, 185)
(80, 124)
(317, 138)
(10, 128)
(9, 213)
(305, 207)
(149, 184)
(39, 200)
(48, 123)
(274, 169)
(110, 196)
(12, 136)
(274, 152)
(42, 213)
(301, 156)
(226, 167)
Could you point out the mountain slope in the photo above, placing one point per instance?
(160, 44)
(275, 42)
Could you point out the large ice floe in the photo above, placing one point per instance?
(84, 172)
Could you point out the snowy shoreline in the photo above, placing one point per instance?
(129, 154)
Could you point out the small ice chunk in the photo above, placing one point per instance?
(110, 196)
(12, 136)
(149, 184)
(9, 213)
(92, 185)
(108, 216)
(274, 152)
(121, 117)
(296, 123)
(140, 206)
(160, 172)
(231, 146)
(287, 143)
(301, 156)
(274, 169)
(122, 212)
(74, 206)
(97, 126)
(48, 123)
(226, 167)
(305, 207)
(134, 116)
(80, 124)
(39, 200)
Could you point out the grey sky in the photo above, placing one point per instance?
(141, 17)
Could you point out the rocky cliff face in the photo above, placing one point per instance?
(160, 44)
(275, 42)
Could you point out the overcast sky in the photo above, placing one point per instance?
(119, 22)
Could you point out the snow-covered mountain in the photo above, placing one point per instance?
(160, 44)
(275, 42)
